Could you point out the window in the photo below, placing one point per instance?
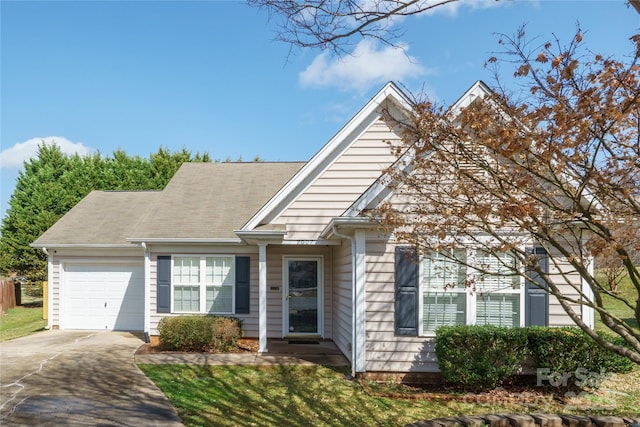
(219, 282)
(203, 284)
(494, 296)
(186, 280)
(444, 296)
(498, 294)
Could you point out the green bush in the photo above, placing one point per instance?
(479, 357)
(226, 334)
(200, 333)
(571, 353)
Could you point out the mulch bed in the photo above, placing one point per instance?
(244, 346)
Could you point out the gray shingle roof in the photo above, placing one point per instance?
(202, 201)
(101, 218)
(210, 200)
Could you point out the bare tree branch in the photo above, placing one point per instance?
(331, 24)
(558, 169)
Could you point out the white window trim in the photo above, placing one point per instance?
(471, 302)
(203, 284)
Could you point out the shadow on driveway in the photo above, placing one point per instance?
(78, 378)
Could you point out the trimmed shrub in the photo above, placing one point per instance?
(226, 334)
(569, 357)
(479, 357)
(200, 333)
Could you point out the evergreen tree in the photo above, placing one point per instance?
(52, 183)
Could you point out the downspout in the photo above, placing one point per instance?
(147, 292)
(588, 314)
(353, 297)
(49, 288)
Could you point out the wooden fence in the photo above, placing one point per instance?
(7, 295)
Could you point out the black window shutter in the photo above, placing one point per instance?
(242, 285)
(406, 291)
(536, 296)
(163, 291)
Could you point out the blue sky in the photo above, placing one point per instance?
(208, 75)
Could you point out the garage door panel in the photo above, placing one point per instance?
(104, 297)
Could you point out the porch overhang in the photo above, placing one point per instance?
(264, 235)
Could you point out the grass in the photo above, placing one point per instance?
(320, 396)
(616, 307)
(22, 320)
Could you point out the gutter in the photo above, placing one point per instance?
(184, 240)
(352, 222)
(84, 245)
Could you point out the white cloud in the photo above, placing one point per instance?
(368, 65)
(452, 9)
(15, 156)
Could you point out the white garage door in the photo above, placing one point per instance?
(105, 297)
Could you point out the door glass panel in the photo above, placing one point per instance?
(303, 296)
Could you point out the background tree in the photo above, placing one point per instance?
(52, 183)
(332, 24)
(39, 199)
(164, 164)
(558, 166)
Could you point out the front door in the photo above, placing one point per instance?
(302, 296)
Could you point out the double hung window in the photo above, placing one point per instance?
(203, 284)
(445, 294)
(466, 287)
(498, 293)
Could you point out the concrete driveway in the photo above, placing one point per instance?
(78, 378)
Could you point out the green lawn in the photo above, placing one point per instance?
(320, 396)
(618, 308)
(22, 320)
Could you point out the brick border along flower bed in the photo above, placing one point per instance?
(532, 420)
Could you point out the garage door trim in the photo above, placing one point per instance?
(68, 263)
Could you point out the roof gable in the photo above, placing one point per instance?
(340, 142)
(379, 190)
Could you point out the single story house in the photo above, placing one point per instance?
(283, 246)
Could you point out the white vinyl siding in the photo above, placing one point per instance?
(341, 184)
(342, 297)
(387, 352)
